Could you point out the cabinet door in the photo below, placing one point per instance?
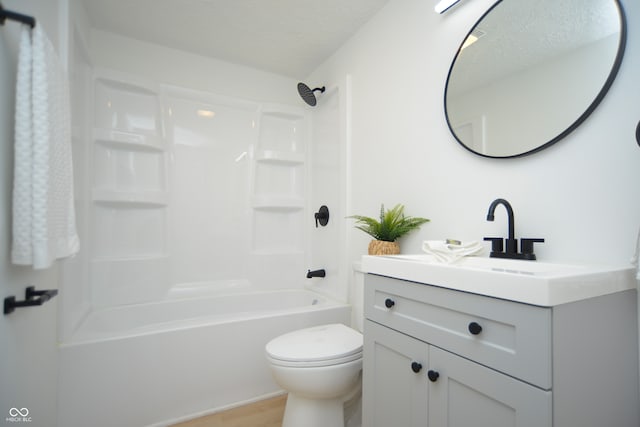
(393, 394)
(468, 394)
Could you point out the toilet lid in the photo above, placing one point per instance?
(324, 342)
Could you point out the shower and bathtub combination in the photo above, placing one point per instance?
(199, 219)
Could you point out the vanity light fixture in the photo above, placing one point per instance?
(444, 5)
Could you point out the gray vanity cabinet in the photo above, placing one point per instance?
(468, 394)
(464, 393)
(396, 395)
(438, 357)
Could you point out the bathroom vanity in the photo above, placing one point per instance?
(498, 343)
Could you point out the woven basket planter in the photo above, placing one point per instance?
(380, 247)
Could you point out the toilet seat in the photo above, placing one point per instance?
(324, 345)
(316, 364)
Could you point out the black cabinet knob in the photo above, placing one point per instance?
(474, 328)
(389, 303)
(416, 367)
(433, 376)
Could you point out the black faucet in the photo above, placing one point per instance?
(316, 273)
(512, 243)
(526, 245)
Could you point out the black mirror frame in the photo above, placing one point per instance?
(605, 88)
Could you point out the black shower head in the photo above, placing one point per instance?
(307, 94)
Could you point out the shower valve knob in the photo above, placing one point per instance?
(322, 216)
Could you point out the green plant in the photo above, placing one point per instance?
(392, 224)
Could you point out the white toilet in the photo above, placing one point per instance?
(321, 368)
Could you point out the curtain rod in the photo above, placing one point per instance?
(7, 14)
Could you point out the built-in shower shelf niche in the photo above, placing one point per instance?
(276, 203)
(121, 82)
(128, 140)
(129, 191)
(129, 151)
(276, 157)
(272, 179)
(278, 199)
(131, 198)
(287, 112)
(119, 168)
(282, 131)
(115, 260)
(125, 106)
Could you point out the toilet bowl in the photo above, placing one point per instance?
(321, 368)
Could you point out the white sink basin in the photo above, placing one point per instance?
(532, 282)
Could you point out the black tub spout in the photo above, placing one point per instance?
(316, 273)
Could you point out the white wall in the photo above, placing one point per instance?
(580, 195)
(28, 365)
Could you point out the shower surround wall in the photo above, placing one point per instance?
(192, 189)
(198, 200)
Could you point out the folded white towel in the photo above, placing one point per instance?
(448, 251)
(43, 207)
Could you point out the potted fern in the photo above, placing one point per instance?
(392, 224)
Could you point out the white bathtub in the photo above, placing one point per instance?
(160, 363)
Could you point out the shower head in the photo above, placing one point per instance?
(307, 94)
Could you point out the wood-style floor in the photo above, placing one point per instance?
(265, 413)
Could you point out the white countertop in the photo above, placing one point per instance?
(531, 282)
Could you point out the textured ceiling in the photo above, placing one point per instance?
(288, 37)
(520, 34)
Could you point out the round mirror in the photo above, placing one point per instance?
(529, 72)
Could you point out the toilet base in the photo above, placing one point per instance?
(301, 411)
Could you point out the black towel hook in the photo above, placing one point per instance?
(7, 14)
